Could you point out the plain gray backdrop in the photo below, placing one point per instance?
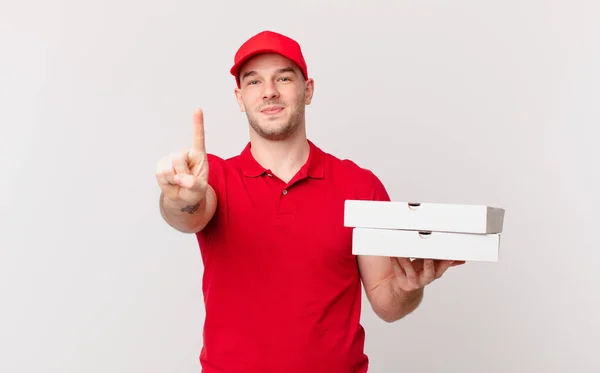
(478, 102)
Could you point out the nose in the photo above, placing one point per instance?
(270, 91)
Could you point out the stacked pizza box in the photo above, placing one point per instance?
(425, 230)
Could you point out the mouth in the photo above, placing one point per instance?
(272, 110)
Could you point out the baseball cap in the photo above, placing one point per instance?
(268, 42)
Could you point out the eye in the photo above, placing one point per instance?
(285, 79)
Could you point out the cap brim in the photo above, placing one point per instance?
(235, 69)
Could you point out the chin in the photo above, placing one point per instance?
(280, 131)
(270, 131)
(274, 124)
(277, 118)
(273, 127)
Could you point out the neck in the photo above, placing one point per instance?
(284, 157)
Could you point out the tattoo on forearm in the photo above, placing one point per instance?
(190, 209)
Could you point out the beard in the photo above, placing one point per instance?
(279, 129)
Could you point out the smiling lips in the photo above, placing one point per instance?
(272, 110)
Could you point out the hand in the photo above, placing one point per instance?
(183, 176)
(416, 274)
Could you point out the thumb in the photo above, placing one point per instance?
(185, 180)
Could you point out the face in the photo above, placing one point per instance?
(273, 94)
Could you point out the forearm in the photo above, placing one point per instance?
(392, 303)
(188, 218)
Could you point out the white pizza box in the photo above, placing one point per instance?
(426, 244)
(436, 217)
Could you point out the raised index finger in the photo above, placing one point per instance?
(198, 143)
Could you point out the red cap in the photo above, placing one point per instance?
(268, 42)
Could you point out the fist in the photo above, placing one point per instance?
(183, 176)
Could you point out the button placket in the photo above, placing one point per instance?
(284, 201)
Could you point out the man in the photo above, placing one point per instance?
(281, 287)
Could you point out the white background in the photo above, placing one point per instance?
(490, 102)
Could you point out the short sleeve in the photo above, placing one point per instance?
(378, 190)
(216, 174)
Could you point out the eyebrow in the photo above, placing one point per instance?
(278, 71)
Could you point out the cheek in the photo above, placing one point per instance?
(246, 105)
(251, 102)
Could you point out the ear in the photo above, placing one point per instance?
(238, 97)
(309, 91)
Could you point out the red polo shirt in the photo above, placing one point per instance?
(281, 287)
